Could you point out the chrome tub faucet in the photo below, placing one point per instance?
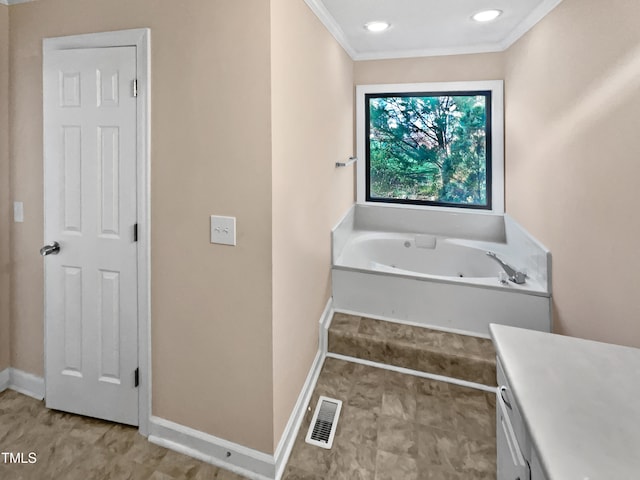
(514, 275)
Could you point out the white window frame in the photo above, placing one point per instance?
(497, 137)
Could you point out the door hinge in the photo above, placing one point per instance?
(135, 232)
(135, 87)
(136, 377)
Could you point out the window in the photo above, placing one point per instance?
(434, 145)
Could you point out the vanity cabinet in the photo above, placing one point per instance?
(536, 469)
(566, 408)
(517, 457)
(512, 439)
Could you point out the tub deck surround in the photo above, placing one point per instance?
(447, 354)
(430, 267)
(482, 226)
(435, 258)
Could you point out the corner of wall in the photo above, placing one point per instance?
(572, 93)
(5, 195)
(312, 129)
(211, 304)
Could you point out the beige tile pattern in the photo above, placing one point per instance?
(442, 353)
(392, 426)
(398, 427)
(72, 447)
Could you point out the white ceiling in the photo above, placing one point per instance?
(427, 27)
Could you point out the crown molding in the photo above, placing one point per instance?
(523, 27)
(330, 24)
(318, 8)
(529, 22)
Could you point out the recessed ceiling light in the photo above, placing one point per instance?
(377, 27)
(487, 15)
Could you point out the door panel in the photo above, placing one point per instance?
(72, 315)
(91, 305)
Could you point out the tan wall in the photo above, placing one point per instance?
(211, 154)
(485, 66)
(5, 198)
(312, 115)
(573, 149)
(223, 105)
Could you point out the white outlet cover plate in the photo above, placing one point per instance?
(223, 230)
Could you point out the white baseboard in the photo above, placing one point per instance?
(414, 373)
(4, 379)
(211, 449)
(288, 439)
(325, 323)
(232, 456)
(22, 382)
(208, 448)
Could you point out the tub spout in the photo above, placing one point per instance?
(514, 275)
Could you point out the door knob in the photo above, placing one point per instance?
(51, 249)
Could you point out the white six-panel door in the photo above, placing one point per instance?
(91, 324)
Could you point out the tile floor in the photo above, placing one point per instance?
(418, 348)
(71, 447)
(398, 427)
(392, 427)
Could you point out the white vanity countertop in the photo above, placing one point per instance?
(580, 401)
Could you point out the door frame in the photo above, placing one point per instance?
(141, 39)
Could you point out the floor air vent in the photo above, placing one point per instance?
(324, 422)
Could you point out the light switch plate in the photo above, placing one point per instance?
(223, 230)
(18, 212)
